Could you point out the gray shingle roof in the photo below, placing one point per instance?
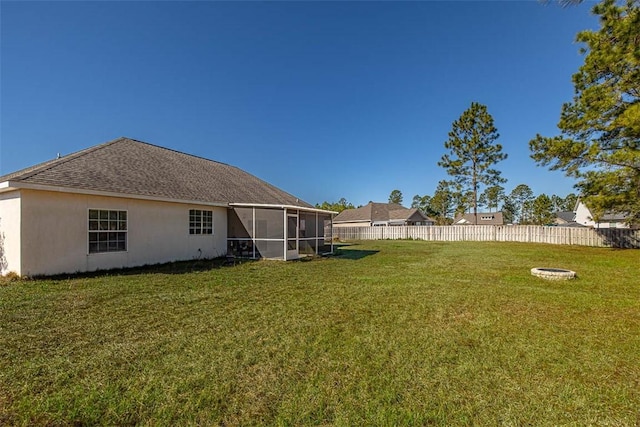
(130, 167)
(565, 216)
(376, 212)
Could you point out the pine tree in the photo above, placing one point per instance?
(520, 198)
(508, 211)
(491, 197)
(473, 152)
(338, 206)
(542, 210)
(442, 204)
(569, 202)
(395, 197)
(600, 128)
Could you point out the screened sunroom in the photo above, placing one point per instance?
(278, 232)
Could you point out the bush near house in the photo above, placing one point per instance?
(383, 333)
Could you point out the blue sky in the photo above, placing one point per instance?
(322, 99)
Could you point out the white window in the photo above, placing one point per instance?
(200, 222)
(107, 231)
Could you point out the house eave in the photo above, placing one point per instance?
(16, 185)
(6, 186)
(278, 206)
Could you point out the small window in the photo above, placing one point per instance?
(107, 231)
(200, 222)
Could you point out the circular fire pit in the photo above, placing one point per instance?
(553, 273)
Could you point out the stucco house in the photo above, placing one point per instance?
(484, 218)
(584, 217)
(128, 203)
(380, 214)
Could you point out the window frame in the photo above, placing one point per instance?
(107, 231)
(200, 222)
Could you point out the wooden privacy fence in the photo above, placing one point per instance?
(583, 236)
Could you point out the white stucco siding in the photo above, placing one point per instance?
(583, 215)
(55, 233)
(159, 232)
(10, 232)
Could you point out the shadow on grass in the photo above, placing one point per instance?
(353, 254)
(198, 265)
(176, 267)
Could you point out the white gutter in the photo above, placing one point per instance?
(276, 206)
(13, 185)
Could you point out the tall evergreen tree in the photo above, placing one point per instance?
(542, 210)
(508, 211)
(473, 152)
(491, 197)
(395, 197)
(338, 206)
(569, 202)
(462, 200)
(520, 198)
(557, 203)
(415, 202)
(600, 128)
(442, 204)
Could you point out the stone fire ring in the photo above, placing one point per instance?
(553, 273)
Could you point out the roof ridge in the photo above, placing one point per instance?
(177, 151)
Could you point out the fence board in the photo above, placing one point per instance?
(604, 237)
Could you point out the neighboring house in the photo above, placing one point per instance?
(484, 218)
(565, 219)
(128, 203)
(380, 214)
(608, 220)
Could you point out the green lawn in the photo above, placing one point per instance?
(385, 333)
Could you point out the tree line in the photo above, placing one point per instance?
(520, 205)
(599, 141)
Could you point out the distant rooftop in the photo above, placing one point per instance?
(375, 212)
